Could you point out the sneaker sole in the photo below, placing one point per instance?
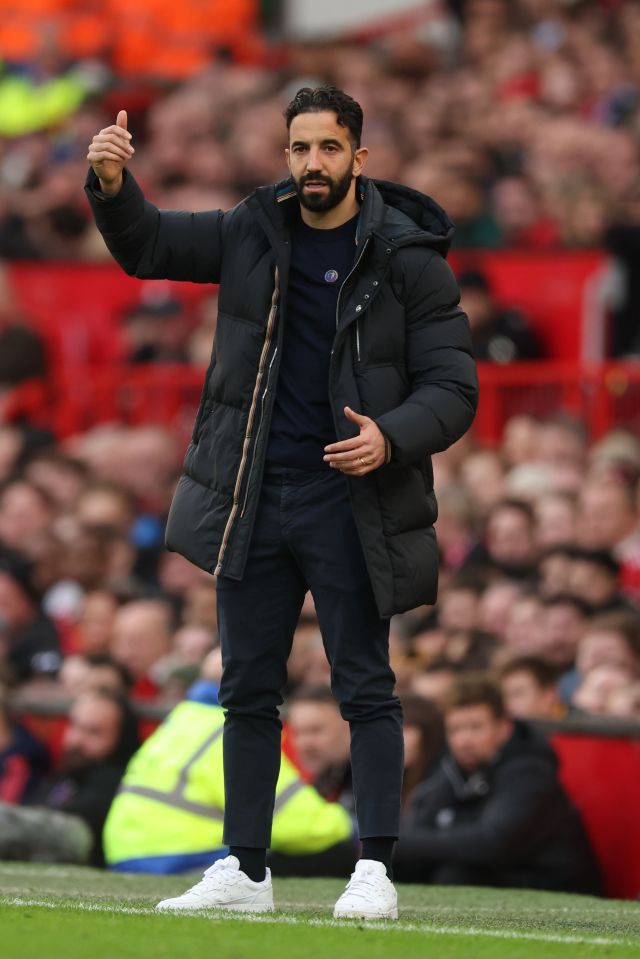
(360, 914)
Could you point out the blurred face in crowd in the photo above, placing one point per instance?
(624, 703)
(308, 662)
(16, 608)
(322, 159)
(606, 516)
(413, 737)
(483, 478)
(525, 698)
(561, 446)
(605, 647)
(62, 480)
(320, 735)
(596, 585)
(201, 606)
(495, 607)
(105, 509)
(479, 306)
(96, 621)
(555, 575)
(141, 636)
(520, 440)
(597, 688)
(429, 644)
(93, 731)
(561, 630)
(74, 675)
(475, 735)
(458, 609)
(510, 537)
(555, 521)
(524, 628)
(25, 515)
(192, 643)
(433, 684)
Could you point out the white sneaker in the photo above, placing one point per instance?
(224, 886)
(370, 894)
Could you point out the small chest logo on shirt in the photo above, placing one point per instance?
(331, 276)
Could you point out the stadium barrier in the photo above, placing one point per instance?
(602, 396)
(599, 763)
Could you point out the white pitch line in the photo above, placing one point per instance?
(293, 921)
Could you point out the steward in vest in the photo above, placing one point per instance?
(167, 816)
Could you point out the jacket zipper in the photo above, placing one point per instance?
(348, 277)
(253, 459)
(247, 436)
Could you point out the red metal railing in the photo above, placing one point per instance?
(603, 396)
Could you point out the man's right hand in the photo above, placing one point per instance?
(108, 153)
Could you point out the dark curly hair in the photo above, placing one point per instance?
(326, 97)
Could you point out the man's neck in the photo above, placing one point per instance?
(330, 219)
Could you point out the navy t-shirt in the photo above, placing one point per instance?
(302, 423)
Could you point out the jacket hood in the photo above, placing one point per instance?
(413, 217)
(397, 213)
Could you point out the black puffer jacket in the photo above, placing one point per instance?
(401, 355)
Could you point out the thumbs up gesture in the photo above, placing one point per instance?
(363, 453)
(108, 153)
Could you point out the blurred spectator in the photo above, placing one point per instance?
(494, 813)
(141, 638)
(423, 741)
(81, 674)
(529, 689)
(61, 476)
(73, 803)
(609, 640)
(434, 683)
(499, 335)
(29, 643)
(321, 742)
(597, 688)
(94, 629)
(556, 517)
(509, 544)
(594, 579)
(26, 513)
(155, 332)
(23, 758)
(624, 703)
(555, 571)
(563, 622)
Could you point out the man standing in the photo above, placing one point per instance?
(341, 361)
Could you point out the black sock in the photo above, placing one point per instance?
(380, 848)
(252, 861)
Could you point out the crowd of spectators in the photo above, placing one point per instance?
(520, 116)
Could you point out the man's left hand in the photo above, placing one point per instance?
(362, 454)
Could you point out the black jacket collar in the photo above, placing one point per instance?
(396, 213)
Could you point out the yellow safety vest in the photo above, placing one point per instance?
(171, 799)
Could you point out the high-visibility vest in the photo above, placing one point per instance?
(171, 800)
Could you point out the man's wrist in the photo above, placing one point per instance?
(111, 187)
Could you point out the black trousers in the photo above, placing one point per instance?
(305, 539)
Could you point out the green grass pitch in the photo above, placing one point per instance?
(63, 912)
